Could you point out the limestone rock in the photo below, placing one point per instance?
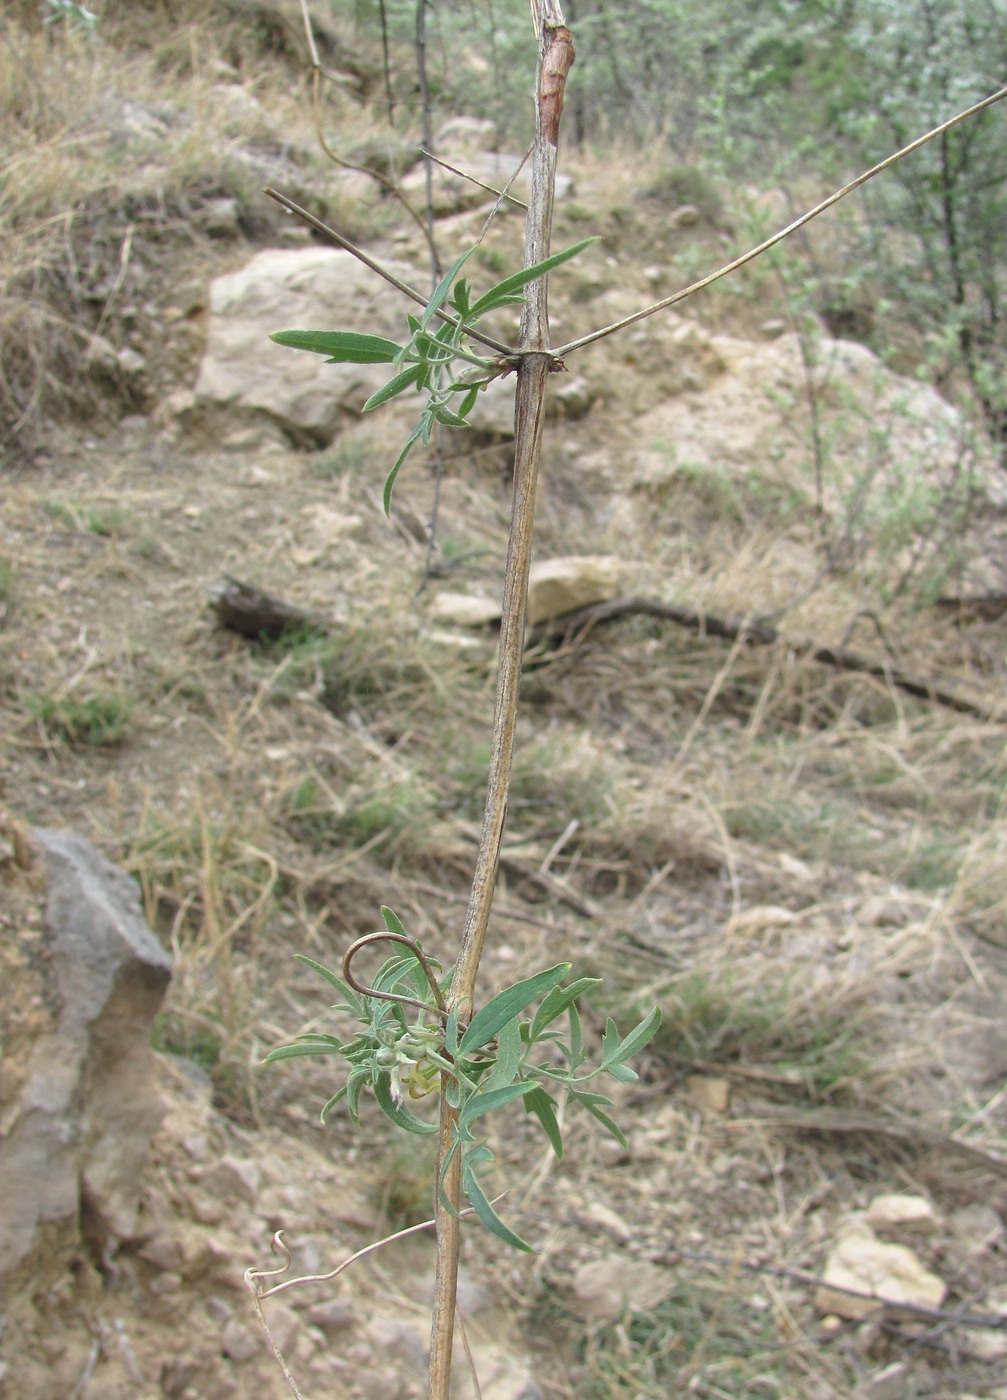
(608, 1287)
(464, 609)
(79, 1103)
(709, 1093)
(859, 1260)
(976, 1226)
(303, 289)
(558, 586)
(462, 133)
(902, 1213)
(451, 193)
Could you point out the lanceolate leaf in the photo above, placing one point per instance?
(508, 1004)
(331, 978)
(398, 1112)
(486, 1103)
(392, 921)
(508, 1057)
(480, 1203)
(615, 1051)
(390, 479)
(443, 287)
(398, 385)
(288, 1052)
(593, 1104)
(501, 294)
(543, 1106)
(557, 1002)
(342, 347)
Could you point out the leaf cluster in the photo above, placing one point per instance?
(428, 361)
(511, 1051)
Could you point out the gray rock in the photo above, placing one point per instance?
(80, 1105)
(244, 372)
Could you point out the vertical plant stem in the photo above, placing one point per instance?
(555, 56)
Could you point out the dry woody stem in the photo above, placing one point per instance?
(535, 364)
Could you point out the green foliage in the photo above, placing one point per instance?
(100, 720)
(500, 1057)
(709, 1019)
(426, 361)
(77, 16)
(106, 521)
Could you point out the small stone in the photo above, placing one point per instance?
(232, 1179)
(888, 1383)
(208, 1210)
(168, 1282)
(685, 216)
(984, 1344)
(574, 397)
(861, 1262)
(711, 1095)
(897, 1212)
(238, 1342)
(610, 1286)
(284, 1323)
(558, 586)
(597, 1213)
(464, 610)
(334, 1315)
(976, 1226)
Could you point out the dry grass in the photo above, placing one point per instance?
(805, 868)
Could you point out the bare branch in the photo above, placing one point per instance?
(784, 232)
(501, 194)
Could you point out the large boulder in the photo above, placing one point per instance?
(296, 289)
(78, 1104)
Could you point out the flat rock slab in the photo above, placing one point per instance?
(297, 289)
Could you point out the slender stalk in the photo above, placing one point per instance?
(554, 60)
(784, 232)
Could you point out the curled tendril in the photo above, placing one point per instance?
(440, 1009)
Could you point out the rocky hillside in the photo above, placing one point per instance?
(759, 785)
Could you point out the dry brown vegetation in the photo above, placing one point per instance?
(806, 869)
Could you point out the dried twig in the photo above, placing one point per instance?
(576, 625)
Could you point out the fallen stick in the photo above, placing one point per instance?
(575, 626)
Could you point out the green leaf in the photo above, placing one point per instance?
(615, 1051)
(398, 385)
(576, 1055)
(397, 1112)
(288, 1052)
(488, 1101)
(443, 287)
(390, 479)
(342, 347)
(480, 1203)
(508, 1057)
(330, 977)
(354, 1087)
(501, 294)
(557, 1002)
(543, 1106)
(331, 1103)
(461, 299)
(392, 921)
(593, 1102)
(448, 417)
(508, 1004)
(623, 1073)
